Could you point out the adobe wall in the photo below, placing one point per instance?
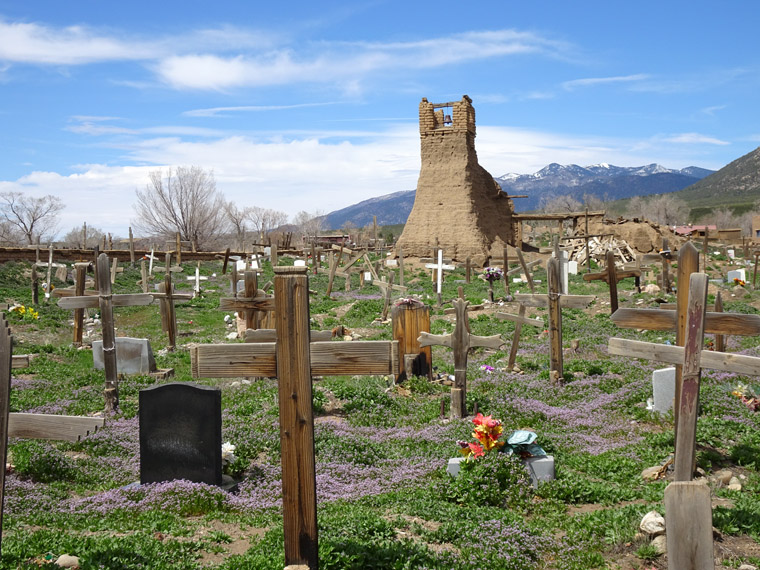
(458, 203)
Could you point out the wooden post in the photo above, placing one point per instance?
(556, 371)
(409, 321)
(171, 314)
(401, 267)
(374, 230)
(666, 256)
(588, 253)
(688, 522)
(144, 276)
(720, 340)
(251, 290)
(388, 293)
(273, 254)
(314, 263)
(80, 276)
(754, 273)
(131, 248)
(179, 252)
(689, 397)
(688, 263)
(35, 286)
(299, 486)
(95, 255)
(467, 270)
(114, 267)
(524, 265)
(506, 270)
(111, 390)
(6, 362)
(49, 273)
(84, 235)
(612, 280)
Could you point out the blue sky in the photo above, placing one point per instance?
(313, 105)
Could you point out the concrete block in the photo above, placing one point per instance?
(133, 356)
(664, 389)
(540, 468)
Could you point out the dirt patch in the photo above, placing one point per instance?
(225, 539)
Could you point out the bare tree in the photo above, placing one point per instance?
(186, 201)
(265, 220)
(636, 208)
(560, 203)
(309, 224)
(238, 218)
(667, 210)
(36, 219)
(724, 218)
(83, 237)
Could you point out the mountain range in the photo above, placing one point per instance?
(605, 181)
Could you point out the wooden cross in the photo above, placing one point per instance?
(611, 276)
(106, 301)
(664, 256)
(37, 426)
(167, 296)
(251, 304)
(555, 303)
(519, 319)
(688, 263)
(688, 508)
(80, 275)
(439, 267)
(293, 359)
(461, 341)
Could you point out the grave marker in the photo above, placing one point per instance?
(439, 267)
(181, 433)
(167, 297)
(555, 302)
(611, 276)
(106, 301)
(461, 341)
(293, 360)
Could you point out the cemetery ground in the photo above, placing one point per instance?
(385, 500)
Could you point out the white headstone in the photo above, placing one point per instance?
(267, 250)
(133, 355)
(254, 264)
(736, 274)
(664, 389)
(391, 262)
(367, 276)
(572, 267)
(240, 265)
(563, 271)
(299, 263)
(731, 253)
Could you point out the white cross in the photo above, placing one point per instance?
(440, 267)
(198, 279)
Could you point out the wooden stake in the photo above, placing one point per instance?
(720, 340)
(555, 321)
(131, 248)
(299, 486)
(111, 390)
(688, 263)
(35, 286)
(80, 276)
(6, 360)
(401, 267)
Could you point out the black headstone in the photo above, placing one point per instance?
(181, 433)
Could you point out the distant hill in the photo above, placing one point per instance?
(390, 209)
(606, 181)
(737, 184)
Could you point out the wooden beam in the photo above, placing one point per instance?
(48, 426)
(566, 301)
(328, 358)
(659, 320)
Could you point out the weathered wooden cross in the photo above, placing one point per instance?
(167, 297)
(30, 426)
(519, 319)
(611, 276)
(461, 340)
(293, 359)
(80, 275)
(688, 507)
(106, 301)
(252, 304)
(555, 303)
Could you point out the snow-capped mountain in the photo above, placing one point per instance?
(603, 180)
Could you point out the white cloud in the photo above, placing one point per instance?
(75, 45)
(594, 81)
(228, 111)
(693, 138)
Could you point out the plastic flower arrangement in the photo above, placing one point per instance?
(24, 313)
(488, 369)
(487, 431)
(492, 274)
(739, 282)
(749, 395)
(228, 453)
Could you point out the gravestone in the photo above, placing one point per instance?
(539, 468)
(572, 267)
(181, 433)
(664, 389)
(299, 263)
(133, 356)
(736, 274)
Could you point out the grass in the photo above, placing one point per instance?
(385, 501)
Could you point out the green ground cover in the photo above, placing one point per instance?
(385, 500)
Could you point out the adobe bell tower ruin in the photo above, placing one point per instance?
(458, 203)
